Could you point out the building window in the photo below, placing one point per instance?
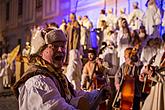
(20, 7)
(7, 11)
(38, 4)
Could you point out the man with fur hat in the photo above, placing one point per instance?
(43, 86)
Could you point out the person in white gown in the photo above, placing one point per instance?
(102, 16)
(111, 18)
(88, 25)
(152, 19)
(123, 40)
(136, 17)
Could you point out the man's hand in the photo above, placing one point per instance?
(141, 77)
(146, 70)
(83, 104)
(117, 86)
(106, 92)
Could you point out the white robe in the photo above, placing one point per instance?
(101, 17)
(122, 43)
(111, 20)
(88, 25)
(158, 57)
(83, 39)
(152, 18)
(42, 93)
(113, 38)
(148, 53)
(106, 34)
(123, 16)
(109, 55)
(135, 19)
(156, 98)
(63, 27)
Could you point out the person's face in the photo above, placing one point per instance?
(142, 31)
(103, 24)
(83, 18)
(142, 34)
(54, 53)
(72, 17)
(127, 56)
(124, 23)
(151, 2)
(110, 12)
(133, 34)
(151, 43)
(91, 56)
(79, 17)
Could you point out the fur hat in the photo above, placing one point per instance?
(38, 41)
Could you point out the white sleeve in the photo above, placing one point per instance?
(70, 72)
(40, 93)
(157, 17)
(143, 57)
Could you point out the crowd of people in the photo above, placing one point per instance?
(66, 72)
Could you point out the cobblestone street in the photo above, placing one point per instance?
(8, 101)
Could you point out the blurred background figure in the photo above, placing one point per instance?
(73, 35)
(6, 71)
(74, 69)
(152, 19)
(111, 18)
(63, 25)
(123, 39)
(136, 17)
(26, 50)
(153, 47)
(88, 25)
(102, 16)
(52, 25)
(79, 19)
(123, 14)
